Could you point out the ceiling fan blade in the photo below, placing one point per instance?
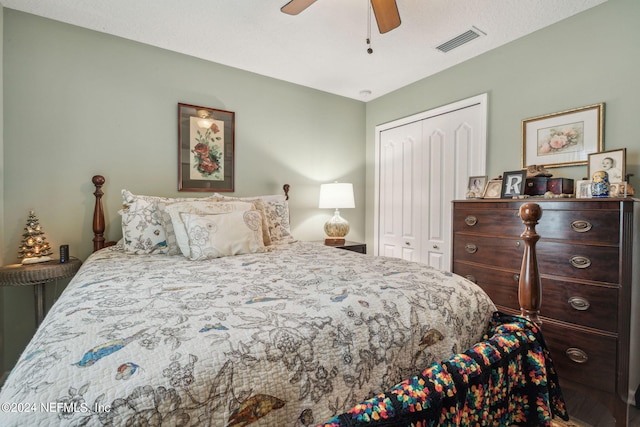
(294, 7)
(387, 15)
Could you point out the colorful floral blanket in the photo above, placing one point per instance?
(289, 337)
(508, 379)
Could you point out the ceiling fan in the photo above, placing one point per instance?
(386, 12)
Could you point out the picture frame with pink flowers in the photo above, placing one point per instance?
(566, 138)
(206, 149)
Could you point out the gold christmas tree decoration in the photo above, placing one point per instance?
(34, 247)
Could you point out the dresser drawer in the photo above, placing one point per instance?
(500, 285)
(504, 253)
(505, 222)
(580, 226)
(596, 263)
(581, 304)
(568, 345)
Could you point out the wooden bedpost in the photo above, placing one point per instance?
(285, 188)
(98, 214)
(529, 285)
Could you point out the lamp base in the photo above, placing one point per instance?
(332, 241)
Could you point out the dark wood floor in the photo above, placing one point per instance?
(594, 413)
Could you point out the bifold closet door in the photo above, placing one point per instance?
(423, 166)
(400, 193)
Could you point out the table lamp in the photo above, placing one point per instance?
(335, 196)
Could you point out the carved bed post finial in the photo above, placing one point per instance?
(98, 214)
(286, 191)
(529, 284)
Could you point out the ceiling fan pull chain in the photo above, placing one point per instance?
(369, 49)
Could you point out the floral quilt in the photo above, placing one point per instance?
(290, 337)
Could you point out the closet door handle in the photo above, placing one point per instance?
(577, 355)
(471, 248)
(471, 220)
(579, 261)
(579, 303)
(581, 226)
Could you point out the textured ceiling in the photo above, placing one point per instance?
(324, 47)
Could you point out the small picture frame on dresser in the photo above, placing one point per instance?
(493, 189)
(513, 184)
(583, 189)
(619, 189)
(476, 186)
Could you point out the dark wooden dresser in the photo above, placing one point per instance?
(585, 258)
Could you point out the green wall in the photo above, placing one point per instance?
(80, 103)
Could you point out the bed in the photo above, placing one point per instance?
(209, 313)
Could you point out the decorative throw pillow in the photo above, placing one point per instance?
(142, 226)
(175, 228)
(276, 212)
(215, 236)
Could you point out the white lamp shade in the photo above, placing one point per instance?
(336, 195)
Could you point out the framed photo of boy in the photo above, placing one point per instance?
(513, 184)
(612, 162)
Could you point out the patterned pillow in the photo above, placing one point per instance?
(142, 226)
(276, 212)
(215, 236)
(175, 229)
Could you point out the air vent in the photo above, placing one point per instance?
(458, 41)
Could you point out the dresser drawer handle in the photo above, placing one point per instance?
(471, 278)
(579, 303)
(471, 220)
(579, 261)
(581, 226)
(471, 248)
(516, 277)
(577, 355)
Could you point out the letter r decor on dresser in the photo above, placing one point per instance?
(585, 257)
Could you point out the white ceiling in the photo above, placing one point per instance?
(324, 47)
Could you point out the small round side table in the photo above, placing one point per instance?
(38, 275)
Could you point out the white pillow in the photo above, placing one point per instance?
(215, 236)
(175, 228)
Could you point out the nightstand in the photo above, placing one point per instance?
(351, 246)
(38, 275)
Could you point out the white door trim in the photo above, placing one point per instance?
(481, 100)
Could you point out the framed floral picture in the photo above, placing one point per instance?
(563, 139)
(205, 149)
